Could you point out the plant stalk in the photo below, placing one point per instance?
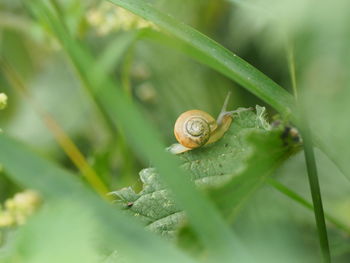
(311, 165)
(315, 190)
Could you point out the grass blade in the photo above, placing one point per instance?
(216, 56)
(213, 231)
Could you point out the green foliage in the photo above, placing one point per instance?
(112, 84)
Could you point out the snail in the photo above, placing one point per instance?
(196, 128)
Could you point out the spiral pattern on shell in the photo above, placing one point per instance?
(193, 128)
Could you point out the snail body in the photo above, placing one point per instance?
(196, 128)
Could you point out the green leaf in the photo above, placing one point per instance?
(230, 170)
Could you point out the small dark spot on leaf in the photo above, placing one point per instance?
(220, 165)
(226, 145)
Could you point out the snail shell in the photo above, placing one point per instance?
(193, 128)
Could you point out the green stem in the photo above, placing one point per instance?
(126, 69)
(299, 199)
(291, 66)
(129, 170)
(315, 190)
(310, 165)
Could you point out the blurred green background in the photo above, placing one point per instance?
(165, 82)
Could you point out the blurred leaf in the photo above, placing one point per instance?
(120, 232)
(230, 170)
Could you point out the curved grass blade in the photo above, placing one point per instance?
(216, 56)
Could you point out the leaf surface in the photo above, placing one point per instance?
(229, 170)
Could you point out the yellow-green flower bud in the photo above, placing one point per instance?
(3, 101)
(17, 209)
